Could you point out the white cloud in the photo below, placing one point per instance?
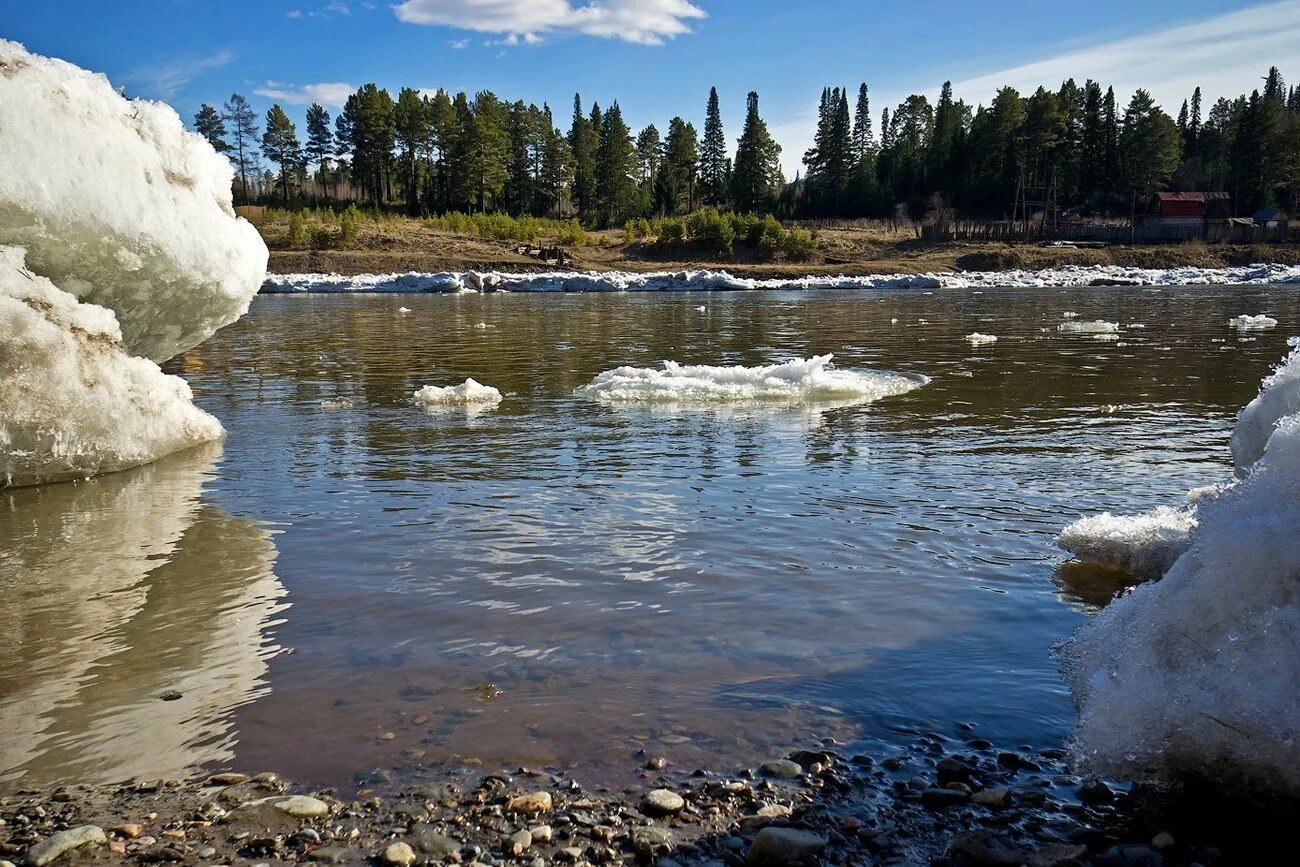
(458, 43)
(1225, 55)
(329, 93)
(293, 13)
(646, 22)
(164, 80)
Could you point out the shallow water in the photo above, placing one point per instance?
(557, 581)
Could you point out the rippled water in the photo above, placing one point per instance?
(555, 581)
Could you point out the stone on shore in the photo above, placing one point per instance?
(784, 846)
(782, 769)
(50, 849)
(663, 802)
(400, 854)
(986, 848)
(533, 802)
(302, 807)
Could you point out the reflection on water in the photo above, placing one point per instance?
(113, 592)
(558, 581)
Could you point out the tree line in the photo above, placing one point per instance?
(1075, 147)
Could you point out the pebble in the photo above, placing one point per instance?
(656, 763)
(228, 779)
(400, 854)
(1095, 792)
(1057, 855)
(517, 842)
(774, 811)
(130, 830)
(937, 799)
(533, 802)
(994, 797)
(784, 846)
(1130, 856)
(335, 855)
(782, 769)
(541, 833)
(302, 807)
(57, 844)
(986, 847)
(1163, 840)
(663, 802)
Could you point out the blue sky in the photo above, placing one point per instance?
(659, 57)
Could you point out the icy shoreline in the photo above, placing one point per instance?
(704, 280)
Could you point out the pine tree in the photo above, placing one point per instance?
(557, 171)
(208, 123)
(487, 155)
(676, 189)
(242, 122)
(756, 177)
(320, 142)
(1150, 147)
(1110, 141)
(649, 152)
(1092, 168)
(280, 144)
(616, 169)
(713, 155)
(582, 144)
(368, 126)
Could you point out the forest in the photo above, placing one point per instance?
(1074, 148)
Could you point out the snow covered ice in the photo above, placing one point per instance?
(1196, 676)
(705, 280)
(468, 392)
(120, 242)
(1099, 326)
(977, 339)
(1246, 322)
(800, 380)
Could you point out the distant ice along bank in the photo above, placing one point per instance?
(668, 281)
(1196, 675)
(800, 380)
(121, 249)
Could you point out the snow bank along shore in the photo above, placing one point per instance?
(668, 281)
(800, 380)
(119, 248)
(1197, 675)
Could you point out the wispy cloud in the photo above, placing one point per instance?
(1224, 55)
(164, 80)
(328, 93)
(293, 13)
(458, 43)
(645, 22)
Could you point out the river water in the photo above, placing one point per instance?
(354, 581)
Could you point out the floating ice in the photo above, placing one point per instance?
(1246, 322)
(120, 206)
(403, 309)
(74, 402)
(1099, 326)
(1069, 314)
(120, 241)
(665, 281)
(468, 392)
(1196, 676)
(977, 339)
(1143, 545)
(801, 380)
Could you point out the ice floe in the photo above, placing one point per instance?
(977, 339)
(1246, 322)
(1098, 326)
(664, 281)
(121, 249)
(1196, 676)
(800, 380)
(468, 392)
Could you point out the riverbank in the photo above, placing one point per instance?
(937, 801)
(397, 244)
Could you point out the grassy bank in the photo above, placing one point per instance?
(325, 242)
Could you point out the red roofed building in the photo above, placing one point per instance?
(1173, 205)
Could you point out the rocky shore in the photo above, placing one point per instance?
(936, 802)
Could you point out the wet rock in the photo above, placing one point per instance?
(953, 770)
(400, 854)
(533, 802)
(663, 802)
(517, 842)
(1094, 792)
(336, 855)
(782, 769)
(52, 848)
(1130, 856)
(569, 853)
(994, 798)
(1163, 840)
(784, 846)
(130, 830)
(1017, 762)
(649, 840)
(1057, 855)
(428, 841)
(656, 763)
(227, 779)
(938, 799)
(808, 758)
(302, 807)
(774, 811)
(541, 833)
(986, 847)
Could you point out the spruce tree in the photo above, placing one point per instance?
(412, 125)
(681, 165)
(1150, 147)
(280, 145)
(616, 169)
(320, 142)
(713, 155)
(582, 144)
(208, 123)
(756, 177)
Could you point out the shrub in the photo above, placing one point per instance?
(321, 238)
(570, 233)
(771, 240)
(670, 231)
(711, 230)
(349, 225)
(297, 234)
(750, 227)
(629, 231)
(799, 244)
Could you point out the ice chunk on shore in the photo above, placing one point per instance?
(977, 339)
(74, 402)
(468, 392)
(800, 380)
(1098, 326)
(120, 206)
(120, 241)
(1246, 322)
(1196, 676)
(1144, 545)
